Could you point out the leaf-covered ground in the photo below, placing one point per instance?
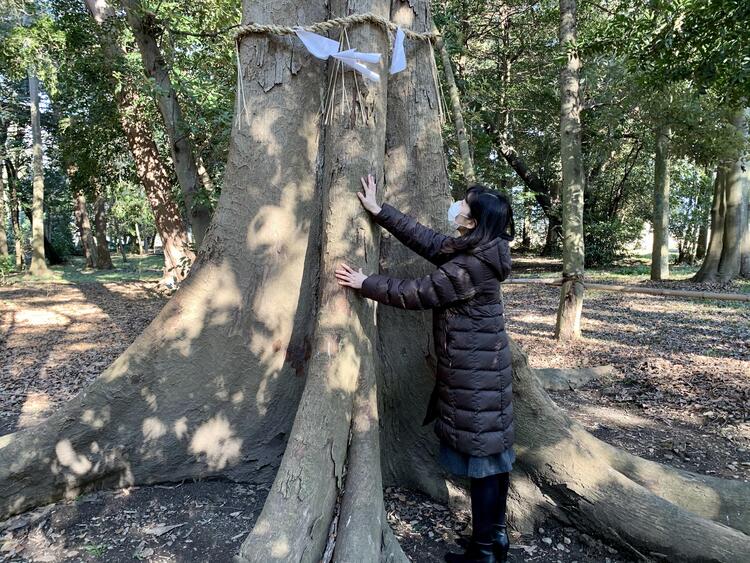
(679, 395)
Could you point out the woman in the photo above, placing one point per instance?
(472, 399)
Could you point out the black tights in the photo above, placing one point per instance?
(488, 498)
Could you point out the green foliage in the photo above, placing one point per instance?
(7, 266)
(706, 42)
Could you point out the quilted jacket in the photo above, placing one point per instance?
(472, 400)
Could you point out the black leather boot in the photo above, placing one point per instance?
(500, 542)
(476, 552)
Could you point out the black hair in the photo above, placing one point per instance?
(493, 215)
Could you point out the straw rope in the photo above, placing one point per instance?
(324, 26)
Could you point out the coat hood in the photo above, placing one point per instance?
(496, 254)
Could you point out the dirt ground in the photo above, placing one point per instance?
(679, 395)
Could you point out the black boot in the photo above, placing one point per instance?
(500, 542)
(476, 552)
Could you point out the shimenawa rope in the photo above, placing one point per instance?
(324, 26)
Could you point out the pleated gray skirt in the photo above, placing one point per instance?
(467, 465)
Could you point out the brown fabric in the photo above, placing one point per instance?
(472, 400)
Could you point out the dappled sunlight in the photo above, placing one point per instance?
(56, 338)
(67, 457)
(214, 442)
(277, 231)
(366, 416)
(262, 129)
(616, 416)
(94, 419)
(31, 317)
(214, 304)
(345, 366)
(153, 429)
(36, 407)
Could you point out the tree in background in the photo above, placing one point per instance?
(568, 325)
(145, 28)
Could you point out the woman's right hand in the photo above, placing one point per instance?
(368, 198)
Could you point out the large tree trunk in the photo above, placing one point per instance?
(315, 468)
(38, 263)
(152, 173)
(145, 29)
(84, 231)
(571, 294)
(103, 258)
(660, 221)
(731, 248)
(209, 388)
(710, 267)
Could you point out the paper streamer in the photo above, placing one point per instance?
(398, 58)
(323, 48)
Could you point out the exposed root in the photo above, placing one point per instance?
(360, 527)
(558, 454)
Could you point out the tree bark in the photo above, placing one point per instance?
(15, 216)
(84, 231)
(571, 294)
(103, 258)
(38, 263)
(710, 267)
(3, 217)
(731, 248)
(301, 504)
(660, 221)
(458, 118)
(152, 173)
(745, 222)
(139, 239)
(145, 29)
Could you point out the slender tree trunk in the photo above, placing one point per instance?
(571, 294)
(38, 263)
(15, 215)
(700, 249)
(145, 29)
(526, 232)
(660, 221)
(152, 173)
(705, 217)
(138, 239)
(710, 267)
(745, 222)
(103, 258)
(84, 231)
(731, 248)
(458, 118)
(208, 183)
(3, 216)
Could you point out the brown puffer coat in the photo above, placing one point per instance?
(472, 399)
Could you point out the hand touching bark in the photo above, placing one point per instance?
(368, 198)
(348, 277)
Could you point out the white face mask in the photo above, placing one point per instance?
(454, 211)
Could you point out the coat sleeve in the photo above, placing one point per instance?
(413, 234)
(445, 286)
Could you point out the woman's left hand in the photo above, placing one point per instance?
(347, 276)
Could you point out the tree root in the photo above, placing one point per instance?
(599, 499)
